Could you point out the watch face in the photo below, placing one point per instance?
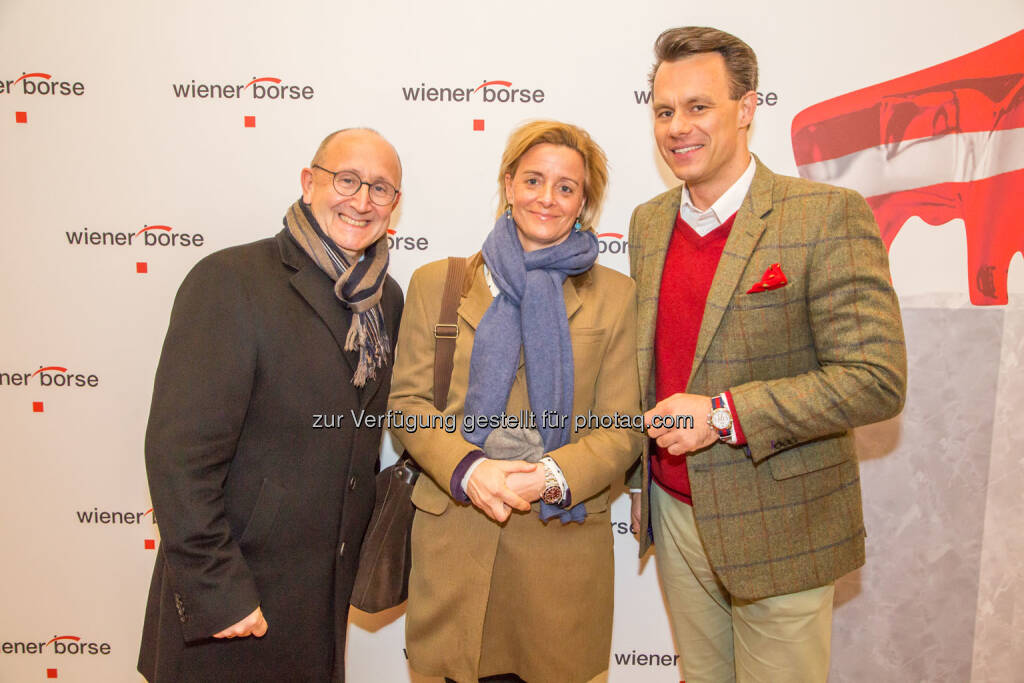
(721, 419)
(551, 495)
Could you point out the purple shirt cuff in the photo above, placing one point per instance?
(460, 472)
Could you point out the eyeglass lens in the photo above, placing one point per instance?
(348, 184)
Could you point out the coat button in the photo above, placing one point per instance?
(341, 550)
(352, 484)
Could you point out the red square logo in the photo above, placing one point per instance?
(250, 121)
(478, 124)
(37, 406)
(141, 267)
(51, 673)
(21, 117)
(149, 544)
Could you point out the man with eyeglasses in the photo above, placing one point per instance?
(261, 507)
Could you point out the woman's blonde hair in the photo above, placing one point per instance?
(595, 163)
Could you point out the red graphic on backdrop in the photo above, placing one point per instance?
(38, 74)
(75, 638)
(263, 79)
(21, 117)
(51, 673)
(507, 84)
(37, 406)
(165, 228)
(48, 368)
(943, 143)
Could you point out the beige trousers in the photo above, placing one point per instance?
(720, 639)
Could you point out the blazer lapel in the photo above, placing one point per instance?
(314, 286)
(477, 298)
(744, 236)
(656, 234)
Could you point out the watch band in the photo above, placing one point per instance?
(718, 406)
(554, 484)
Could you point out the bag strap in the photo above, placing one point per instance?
(447, 330)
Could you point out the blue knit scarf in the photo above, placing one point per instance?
(528, 313)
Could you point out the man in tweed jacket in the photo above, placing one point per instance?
(764, 302)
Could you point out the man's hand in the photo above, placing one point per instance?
(678, 439)
(252, 625)
(527, 485)
(634, 513)
(488, 489)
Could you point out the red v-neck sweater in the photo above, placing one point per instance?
(690, 266)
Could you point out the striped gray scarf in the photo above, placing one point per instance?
(359, 287)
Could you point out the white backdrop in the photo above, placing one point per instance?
(95, 137)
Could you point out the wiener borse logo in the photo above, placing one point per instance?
(114, 517)
(148, 235)
(58, 645)
(39, 83)
(498, 91)
(398, 242)
(769, 98)
(49, 376)
(612, 243)
(257, 88)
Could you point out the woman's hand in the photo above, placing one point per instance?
(488, 489)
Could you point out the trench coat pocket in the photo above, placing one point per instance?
(805, 459)
(428, 497)
(598, 503)
(261, 521)
(589, 340)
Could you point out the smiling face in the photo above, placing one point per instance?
(546, 194)
(701, 132)
(353, 223)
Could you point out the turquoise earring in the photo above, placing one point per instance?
(578, 226)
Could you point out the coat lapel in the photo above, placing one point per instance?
(314, 286)
(656, 232)
(477, 298)
(744, 236)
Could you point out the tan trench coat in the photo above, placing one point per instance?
(521, 597)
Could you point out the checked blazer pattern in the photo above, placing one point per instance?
(805, 363)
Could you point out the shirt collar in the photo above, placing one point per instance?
(729, 203)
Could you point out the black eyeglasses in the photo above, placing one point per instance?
(348, 183)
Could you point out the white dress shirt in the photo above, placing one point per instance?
(729, 203)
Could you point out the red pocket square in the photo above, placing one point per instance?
(773, 278)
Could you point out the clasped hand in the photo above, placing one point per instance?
(678, 439)
(498, 486)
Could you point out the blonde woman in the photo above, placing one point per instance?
(512, 570)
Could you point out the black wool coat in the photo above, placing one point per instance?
(255, 505)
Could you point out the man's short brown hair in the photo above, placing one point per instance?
(686, 41)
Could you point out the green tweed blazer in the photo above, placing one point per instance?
(805, 364)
